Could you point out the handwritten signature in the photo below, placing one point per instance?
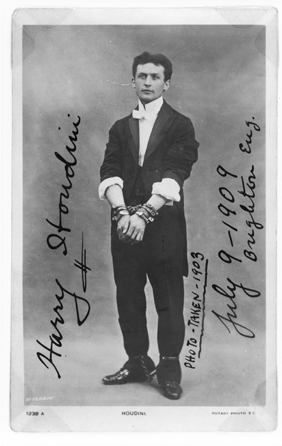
(54, 241)
(82, 309)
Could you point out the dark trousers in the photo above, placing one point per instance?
(159, 257)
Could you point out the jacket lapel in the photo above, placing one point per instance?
(161, 126)
(134, 141)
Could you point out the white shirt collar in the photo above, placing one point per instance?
(152, 107)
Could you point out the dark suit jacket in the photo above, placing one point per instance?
(171, 152)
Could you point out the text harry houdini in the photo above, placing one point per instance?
(57, 241)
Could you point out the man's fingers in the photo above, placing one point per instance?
(134, 234)
(124, 237)
(131, 232)
(123, 224)
(122, 233)
(139, 236)
(135, 237)
(123, 229)
(121, 236)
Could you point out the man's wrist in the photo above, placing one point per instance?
(140, 213)
(147, 213)
(118, 212)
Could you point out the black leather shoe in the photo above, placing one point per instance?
(172, 390)
(169, 376)
(123, 376)
(168, 369)
(136, 369)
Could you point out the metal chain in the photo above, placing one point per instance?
(133, 209)
(149, 375)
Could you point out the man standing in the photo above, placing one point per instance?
(149, 155)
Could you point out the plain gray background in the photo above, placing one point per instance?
(219, 82)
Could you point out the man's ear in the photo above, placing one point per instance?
(133, 82)
(167, 85)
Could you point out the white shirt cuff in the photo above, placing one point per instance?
(167, 188)
(103, 186)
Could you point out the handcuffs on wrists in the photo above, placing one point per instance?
(119, 212)
(147, 213)
(144, 211)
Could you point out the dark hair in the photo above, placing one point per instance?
(156, 59)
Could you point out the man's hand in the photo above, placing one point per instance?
(133, 229)
(122, 227)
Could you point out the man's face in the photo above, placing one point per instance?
(149, 82)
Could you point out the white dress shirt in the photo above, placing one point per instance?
(146, 124)
(167, 188)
